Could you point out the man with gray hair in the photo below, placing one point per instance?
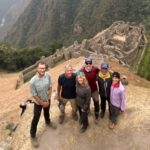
(66, 92)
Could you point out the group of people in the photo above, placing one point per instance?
(78, 89)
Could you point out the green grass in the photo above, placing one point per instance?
(144, 68)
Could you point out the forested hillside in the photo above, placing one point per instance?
(63, 21)
(144, 69)
(47, 21)
(10, 10)
(14, 59)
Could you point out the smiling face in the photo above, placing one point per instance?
(80, 80)
(68, 71)
(88, 65)
(104, 71)
(115, 80)
(41, 69)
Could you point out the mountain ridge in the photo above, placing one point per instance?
(46, 21)
(10, 15)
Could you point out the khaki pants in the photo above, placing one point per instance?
(73, 106)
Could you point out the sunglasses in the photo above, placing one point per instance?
(88, 63)
(80, 73)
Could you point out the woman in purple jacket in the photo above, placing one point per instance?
(117, 99)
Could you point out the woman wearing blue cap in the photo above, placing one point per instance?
(83, 92)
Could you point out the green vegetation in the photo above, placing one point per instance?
(134, 66)
(144, 69)
(45, 22)
(13, 59)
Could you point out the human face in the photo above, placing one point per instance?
(41, 69)
(68, 72)
(88, 65)
(104, 71)
(115, 80)
(80, 80)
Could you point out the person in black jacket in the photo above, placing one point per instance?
(83, 99)
(104, 82)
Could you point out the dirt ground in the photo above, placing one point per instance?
(131, 133)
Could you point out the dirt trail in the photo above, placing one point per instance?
(132, 132)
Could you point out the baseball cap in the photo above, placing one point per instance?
(104, 65)
(88, 60)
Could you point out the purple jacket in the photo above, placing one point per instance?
(117, 97)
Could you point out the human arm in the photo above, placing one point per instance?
(87, 99)
(123, 101)
(58, 92)
(41, 102)
(50, 87)
(49, 93)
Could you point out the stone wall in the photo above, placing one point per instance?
(121, 40)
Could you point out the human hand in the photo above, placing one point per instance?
(122, 114)
(45, 104)
(82, 110)
(58, 97)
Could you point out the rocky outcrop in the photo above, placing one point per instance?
(121, 41)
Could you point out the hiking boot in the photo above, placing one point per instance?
(111, 125)
(51, 125)
(75, 117)
(96, 117)
(83, 129)
(102, 114)
(61, 119)
(34, 142)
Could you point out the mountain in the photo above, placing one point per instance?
(10, 10)
(4, 6)
(47, 21)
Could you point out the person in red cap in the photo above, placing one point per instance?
(91, 75)
(104, 83)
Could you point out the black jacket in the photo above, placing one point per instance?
(104, 86)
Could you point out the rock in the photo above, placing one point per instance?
(5, 145)
(86, 53)
(6, 124)
(67, 55)
(75, 55)
(85, 44)
(77, 29)
(121, 40)
(76, 43)
(124, 80)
